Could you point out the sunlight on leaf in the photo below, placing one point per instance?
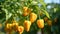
(46, 13)
(42, 2)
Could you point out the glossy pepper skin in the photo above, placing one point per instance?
(26, 11)
(27, 25)
(33, 17)
(8, 27)
(15, 25)
(20, 29)
(40, 23)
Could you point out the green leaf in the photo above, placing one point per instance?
(42, 2)
(46, 13)
(8, 15)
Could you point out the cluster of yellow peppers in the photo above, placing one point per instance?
(27, 23)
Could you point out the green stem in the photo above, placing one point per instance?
(39, 14)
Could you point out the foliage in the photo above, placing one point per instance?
(12, 10)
